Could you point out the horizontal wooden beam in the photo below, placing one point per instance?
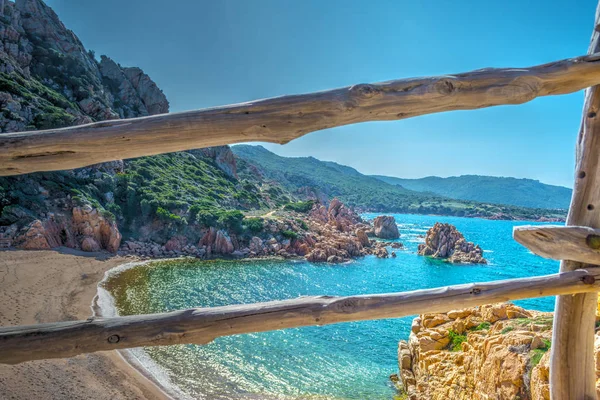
(574, 243)
(282, 119)
(202, 325)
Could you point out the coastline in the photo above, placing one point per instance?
(59, 285)
(102, 305)
(71, 282)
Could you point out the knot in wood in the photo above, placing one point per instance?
(113, 339)
(476, 291)
(593, 241)
(348, 305)
(364, 90)
(588, 280)
(445, 86)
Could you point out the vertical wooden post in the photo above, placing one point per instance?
(572, 366)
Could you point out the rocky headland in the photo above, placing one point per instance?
(204, 203)
(446, 242)
(324, 234)
(498, 351)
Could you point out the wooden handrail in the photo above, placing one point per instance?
(282, 119)
(574, 243)
(202, 325)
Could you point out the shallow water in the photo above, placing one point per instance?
(344, 361)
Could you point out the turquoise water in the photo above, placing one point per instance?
(345, 361)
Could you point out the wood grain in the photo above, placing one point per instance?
(202, 325)
(574, 243)
(572, 367)
(282, 119)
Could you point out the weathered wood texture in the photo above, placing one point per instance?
(282, 119)
(574, 243)
(200, 326)
(572, 367)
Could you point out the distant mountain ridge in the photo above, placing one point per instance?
(489, 189)
(308, 177)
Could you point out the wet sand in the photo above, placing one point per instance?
(51, 286)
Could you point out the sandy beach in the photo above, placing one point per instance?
(50, 286)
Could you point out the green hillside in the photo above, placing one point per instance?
(489, 189)
(307, 175)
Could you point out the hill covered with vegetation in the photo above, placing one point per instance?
(489, 189)
(308, 177)
(49, 80)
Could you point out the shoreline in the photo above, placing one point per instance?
(103, 305)
(80, 288)
(59, 285)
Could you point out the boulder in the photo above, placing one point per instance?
(256, 245)
(446, 242)
(35, 237)
(362, 237)
(381, 252)
(223, 243)
(90, 244)
(384, 227)
(176, 243)
(217, 241)
(88, 222)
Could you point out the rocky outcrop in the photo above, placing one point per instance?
(384, 227)
(50, 80)
(132, 90)
(35, 237)
(338, 234)
(380, 251)
(446, 242)
(362, 237)
(85, 228)
(217, 242)
(94, 230)
(476, 353)
(498, 351)
(331, 234)
(222, 156)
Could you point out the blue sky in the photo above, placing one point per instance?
(210, 53)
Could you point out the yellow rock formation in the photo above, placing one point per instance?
(498, 351)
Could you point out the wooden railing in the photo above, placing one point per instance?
(282, 119)
(279, 120)
(202, 325)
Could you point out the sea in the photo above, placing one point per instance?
(343, 361)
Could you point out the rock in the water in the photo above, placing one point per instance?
(445, 241)
(381, 252)
(385, 227)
